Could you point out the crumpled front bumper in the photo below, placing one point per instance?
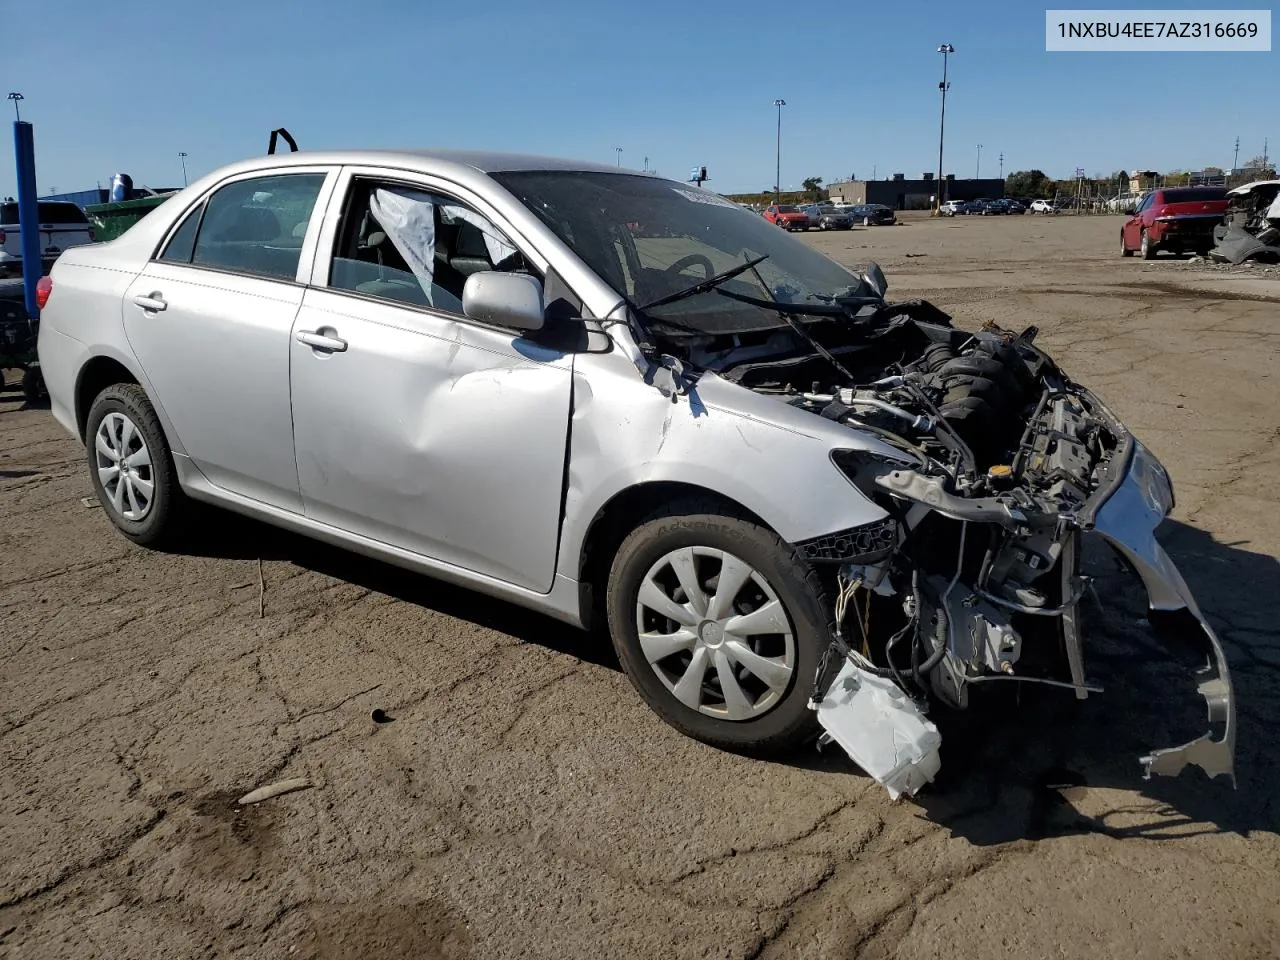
(1127, 518)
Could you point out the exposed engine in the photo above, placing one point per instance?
(974, 575)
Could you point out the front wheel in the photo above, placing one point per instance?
(1124, 248)
(719, 625)
(131, 468)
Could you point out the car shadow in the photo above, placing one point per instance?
(1029, 764)
(231, 536)
(1021, 762)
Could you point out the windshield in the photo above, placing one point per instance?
(650, 238)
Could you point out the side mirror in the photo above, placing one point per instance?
(505, 299)
(1130, 211)
(875, 279)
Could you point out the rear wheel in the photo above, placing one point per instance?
(719, 625)
(1147, 247)
(131, 468)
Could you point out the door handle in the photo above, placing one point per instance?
(154, 303)
(319, 341)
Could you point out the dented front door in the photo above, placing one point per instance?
(430, 433)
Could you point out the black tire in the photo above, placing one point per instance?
(33, 386)
(165, 520)
(1147, 248)
(790, 722)
(1124, 250)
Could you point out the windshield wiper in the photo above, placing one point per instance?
(837, 309)
(708, 284)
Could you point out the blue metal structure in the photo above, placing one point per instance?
(24, 153)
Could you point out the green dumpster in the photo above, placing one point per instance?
(110, 220)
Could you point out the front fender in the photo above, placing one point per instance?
(769, 457)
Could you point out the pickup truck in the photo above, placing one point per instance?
(62, 225)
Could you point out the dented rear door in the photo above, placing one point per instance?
(428, 432)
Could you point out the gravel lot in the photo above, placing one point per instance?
(519, 800)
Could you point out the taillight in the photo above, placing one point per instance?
(44, 287)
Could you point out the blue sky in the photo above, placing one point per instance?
(126, 84)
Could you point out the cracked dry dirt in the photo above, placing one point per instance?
(522, 802)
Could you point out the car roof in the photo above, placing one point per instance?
(479, 160)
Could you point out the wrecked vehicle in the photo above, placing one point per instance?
(801, 508)
(1250, 229)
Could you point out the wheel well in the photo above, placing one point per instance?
(617, 518)
(98, 374)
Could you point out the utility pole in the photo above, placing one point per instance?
(777, 172)
(977, 168)
(1266, 142)
(619, 149)
(182, 155)
(946, 50)
(1002, 165)
(1235, 164)
(874, 168)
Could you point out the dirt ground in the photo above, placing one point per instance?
(518, 800)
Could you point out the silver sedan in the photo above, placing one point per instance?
(800, 507)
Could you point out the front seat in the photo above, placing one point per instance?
(470, 252)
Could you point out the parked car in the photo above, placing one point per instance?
(1013, 206)
(530, 377)
(873, 214)
(787, 216)
(832, 218)
(1043, 206)
(62, 225)
(952, 208)
(1177, 219)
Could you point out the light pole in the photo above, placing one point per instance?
(182, 155)
(15, 97)
(1002, 165)
(619, 150)
(777, 172)
(946, 50)
(977, 168)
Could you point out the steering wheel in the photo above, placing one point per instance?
(693, 259)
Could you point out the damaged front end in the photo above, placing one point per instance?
(1250, 229)
(1005, 465)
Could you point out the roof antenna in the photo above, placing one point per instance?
(281, 132)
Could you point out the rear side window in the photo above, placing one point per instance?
(251, 226)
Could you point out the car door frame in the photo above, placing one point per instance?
(1132, 229)
(193, 477)
(440, 183)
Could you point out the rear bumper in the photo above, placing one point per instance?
(61, 357)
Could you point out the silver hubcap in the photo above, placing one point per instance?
(124, 469)
(715, 633)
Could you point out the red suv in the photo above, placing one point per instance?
(1174, 219)
(786, 216)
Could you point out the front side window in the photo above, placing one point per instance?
(415, 246)
(253, 226)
